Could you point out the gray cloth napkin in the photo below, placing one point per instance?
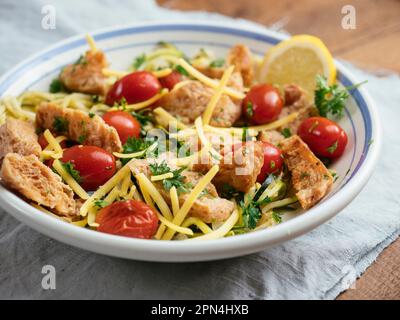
(318, 265)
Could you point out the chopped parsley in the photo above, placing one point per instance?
(176, 181)
(70, 168)
(251, 214)
(218, 63)
(139, 61)
(228, 192)
(82, 138)
(60, 124)
(182, 70)
(95, 99)
(272, 164)
(133, 145)
(333, 147)
(56, 86)
(81, 61)
(101, 203)
(91, 115)
(286, 132)
(121, 104)
(249, 109)
(142, 117)
(330, 100)
(276, 216)
(245, 134)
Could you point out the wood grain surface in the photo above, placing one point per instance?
(374, 45)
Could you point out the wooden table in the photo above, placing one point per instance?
(374, 45)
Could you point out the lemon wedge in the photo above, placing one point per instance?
(298, 60)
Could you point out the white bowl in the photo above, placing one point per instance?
(122, 44)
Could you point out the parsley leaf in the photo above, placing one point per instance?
(158, 169)
(60, 124)
(245, 134)
(249, 109)
(81, 61)
(218, 63)
(56, 86)
(176, 181)
(286, 132)
(95, 98)
(139, 61)
(70, 168)
(81, 139)
(133, 145)
(101, 203)
(228, 192)
(143, 117)
(331, 99)
(182, 70)
(251, 214)
(276, 216)
(121, 104)
(333, 147)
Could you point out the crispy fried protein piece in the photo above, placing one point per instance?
(238, 169)
(78, 126)
(271, 136)
(240, 56)
(36, 182)
(310, 178)
(295, 101)
(209, 207)
(190, 101)
(86, 75)
(18, 136)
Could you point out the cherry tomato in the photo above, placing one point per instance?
(125, 124)
(262, 104)
(134, 87)
(273, 161)
(43, 142)
(324, 137)
(95, 165)
(171, 80)
(130, 218)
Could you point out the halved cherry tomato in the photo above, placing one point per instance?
(171, 80)
(130, 218)
(273, 161)
(134, 87)
(324, 137)
(43, 142)
(125, 124)
(262, 104)
(95, 165)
